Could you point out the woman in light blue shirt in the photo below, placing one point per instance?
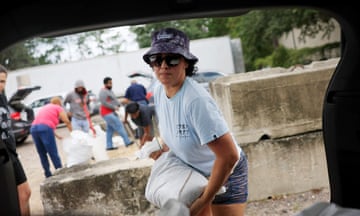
(194, 129)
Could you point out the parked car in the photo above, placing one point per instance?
(203, 77)
(94, 103)
(21, 115)
(207, 76)
(149, 88)
(37, 103)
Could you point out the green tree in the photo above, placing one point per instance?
(46, 50)
(18, 56)
(259, 30)
(81, 45)
(40, 51)
(194, 28)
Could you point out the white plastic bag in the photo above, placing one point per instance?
(98, 144)
(148, 148)
(171, 178)
(77, 148)
(118, 141)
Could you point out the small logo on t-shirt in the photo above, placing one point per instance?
(182, 130)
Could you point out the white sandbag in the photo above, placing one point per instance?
(77, 148)
(170, 178)
(98, 143)
(118, 141)
(174, 207)
(148, 148)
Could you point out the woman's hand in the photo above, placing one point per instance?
(200, 207)
(58, 136)
(156, 154)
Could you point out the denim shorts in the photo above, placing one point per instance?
(236, 186)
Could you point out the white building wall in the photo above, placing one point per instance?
(214, 55)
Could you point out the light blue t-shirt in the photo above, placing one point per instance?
(188, 121)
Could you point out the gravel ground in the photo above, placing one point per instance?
(287, 205)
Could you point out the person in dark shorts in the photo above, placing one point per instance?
(193, 127)
(7, 137)
(144, 117)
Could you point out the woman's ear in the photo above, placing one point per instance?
(186, 65)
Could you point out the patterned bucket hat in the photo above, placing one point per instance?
(170, 40)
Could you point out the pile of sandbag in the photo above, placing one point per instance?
(81, 147)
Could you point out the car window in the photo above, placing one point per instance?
(37, 103)
(41, 102)
(206, 78)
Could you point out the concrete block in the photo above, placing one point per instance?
(286, 165)
(273, 103)
(112, 187)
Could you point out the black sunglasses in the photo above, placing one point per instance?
(171, 60)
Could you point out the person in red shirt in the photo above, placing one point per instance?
(108, 108)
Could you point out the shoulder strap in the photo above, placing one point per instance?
(88, 118)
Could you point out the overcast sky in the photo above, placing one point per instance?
(127, 40)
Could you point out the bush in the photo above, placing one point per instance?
(283, 57)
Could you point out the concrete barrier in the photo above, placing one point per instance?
(286, 166)
(275, 102)
(112, 187)
(116, 187)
